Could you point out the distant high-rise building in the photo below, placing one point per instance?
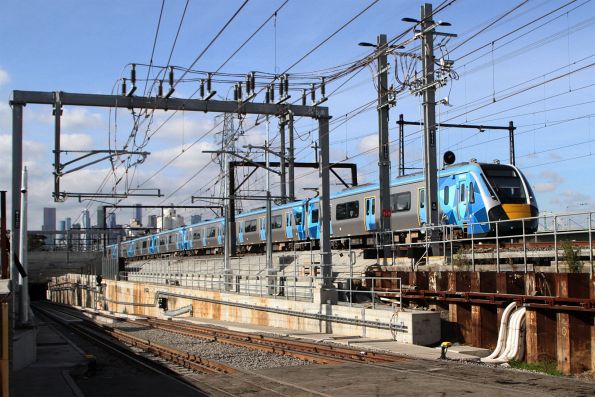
(111, 220)
(85, 219)
(86, 236)
(152, 221)
(62, 236)
(49, 224)
(100, 216)
(169, 220)
(49, 219)
(76, 238)
(138, 214)
(194, 219)
(68, 235)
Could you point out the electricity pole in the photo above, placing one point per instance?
(383, 148)
(430, 168)
(268, 228)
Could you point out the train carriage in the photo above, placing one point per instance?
(470, 196)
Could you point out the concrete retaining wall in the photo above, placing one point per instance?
(419, 327)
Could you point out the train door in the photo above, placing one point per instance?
(204, 236)
(300, 227)
(477, 212)
(152, 245)
(180, 239)
(241, 232)
(220, 229)
(131, 247)
(188, 236)
(421, 206)
(288, 225)
(462, 206)
(370, 218)
(314, 221)
(263, 229)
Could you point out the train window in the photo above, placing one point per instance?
(196, 236)
(250, 226)
(400, 202)
(471, 193)
(170, 239)
(462, 193)
(422, 198)
(276, 222)
(315, 215)
(298, 218)
(211, 232)
(347, 210)
(370, 205)
(144, 244)
(446, 194)
(506, 182)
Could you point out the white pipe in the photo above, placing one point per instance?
(502, 333)
(515, 338)
(24, 281)
(516, 341)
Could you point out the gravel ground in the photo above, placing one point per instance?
(237, 357)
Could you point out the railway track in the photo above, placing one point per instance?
(432, 374)
(314, 352)
(96, 335)
(191, 369)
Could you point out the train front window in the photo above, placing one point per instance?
(506, 182)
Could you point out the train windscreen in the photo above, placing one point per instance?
(506, 182)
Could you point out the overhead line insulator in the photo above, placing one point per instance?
(124, 90)
(248, 84)
(133, 74)
(286, 83)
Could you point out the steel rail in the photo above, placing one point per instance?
(298, 349)
(107, 343)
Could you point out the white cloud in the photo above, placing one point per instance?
(76, 141)
(544, 187)
(80, 119)
(74, 119)
(184, 126)
(4, 78)
(551, 180)
(5, 118)
(569, 198)
(190, 157)
(369, 142)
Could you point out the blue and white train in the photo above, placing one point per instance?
(470, 195)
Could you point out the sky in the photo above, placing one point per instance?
(530, 62)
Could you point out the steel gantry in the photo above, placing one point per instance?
(59, 99)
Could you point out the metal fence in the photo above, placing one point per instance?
(564, 237)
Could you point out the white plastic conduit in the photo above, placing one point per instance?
(512, 332)
(502, 333)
